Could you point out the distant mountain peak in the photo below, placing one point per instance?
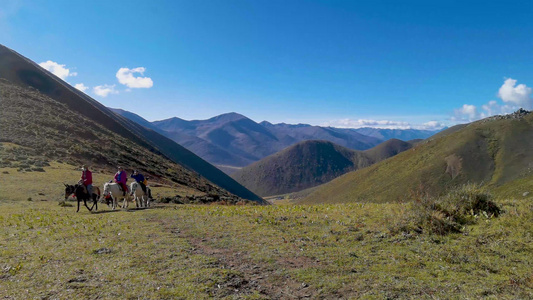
(228, 117)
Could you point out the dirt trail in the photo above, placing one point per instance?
(251, 276)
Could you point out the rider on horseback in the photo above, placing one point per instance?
(139, 178)
(87, 179)
(121, 177)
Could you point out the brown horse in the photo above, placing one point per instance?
(80, 192)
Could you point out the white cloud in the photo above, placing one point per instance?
(349, 123)
(125, 76)
(467, 112)
(431, 125)
(520, 95)
(80, 86)
(494, 108)
(104, 90)
(514, 97)
(383, 124)
(57, 69)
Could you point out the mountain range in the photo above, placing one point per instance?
(311, 163)
(27, 86)
(231, 141)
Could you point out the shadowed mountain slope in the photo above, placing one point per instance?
(198, 146)
(22, 72)
(230, 133)
(310, 163)
(388, 149)
(494, 151)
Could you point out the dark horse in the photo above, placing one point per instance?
(80, 192)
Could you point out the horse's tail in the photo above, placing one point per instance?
(97, 190)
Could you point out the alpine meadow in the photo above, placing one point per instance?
(266, 150)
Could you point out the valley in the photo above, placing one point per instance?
(231, 141)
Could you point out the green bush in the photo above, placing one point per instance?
(446, 214)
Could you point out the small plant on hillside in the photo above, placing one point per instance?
(446, 214)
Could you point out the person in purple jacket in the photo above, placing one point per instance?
(121, 178)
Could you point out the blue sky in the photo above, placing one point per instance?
(338, 63)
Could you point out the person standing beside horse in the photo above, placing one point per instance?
(121, 178)
(87, 179)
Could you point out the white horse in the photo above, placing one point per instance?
(113, 191)
(142, 199)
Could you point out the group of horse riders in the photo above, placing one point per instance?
(121, 177)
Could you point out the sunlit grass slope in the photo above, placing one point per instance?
(494, 151)
(259, 252)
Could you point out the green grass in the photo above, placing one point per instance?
(194, 252)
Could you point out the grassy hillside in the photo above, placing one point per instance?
(494, 151)
(24, 73)
(309, 164)
(38, 131)
(343, 251)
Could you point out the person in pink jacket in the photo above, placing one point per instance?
(121, 177)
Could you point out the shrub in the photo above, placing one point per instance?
(446, 214)
(63, 203)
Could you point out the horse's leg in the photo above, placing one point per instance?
(148, 192)
(95, 201)
(85, 203)
(78, 205)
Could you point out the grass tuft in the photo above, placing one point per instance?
(446, 214)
